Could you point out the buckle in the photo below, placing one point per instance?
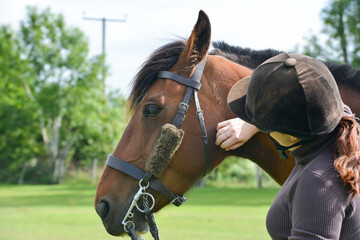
(178, 200)
(185, 105)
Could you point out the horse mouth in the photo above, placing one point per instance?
(116, 228)
(112, 215)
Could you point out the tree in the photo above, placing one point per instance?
(20, 145)
(341, 29)
(53, 110)
(65, 88)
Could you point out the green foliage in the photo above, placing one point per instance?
(315, 49)
(341, 30)
(19, 144)
(102, 131)
(54, 113)
(239, 172)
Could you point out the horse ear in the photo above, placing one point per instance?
(199, 40)
(198, 43)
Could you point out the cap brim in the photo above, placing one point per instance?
(237, 97)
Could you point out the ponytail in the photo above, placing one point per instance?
(347, 153)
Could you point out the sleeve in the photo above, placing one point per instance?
(318, 208)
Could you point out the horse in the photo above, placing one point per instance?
(155, 101)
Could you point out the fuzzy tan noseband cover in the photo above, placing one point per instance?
(164, 149)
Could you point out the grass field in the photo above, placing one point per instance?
(66, 212)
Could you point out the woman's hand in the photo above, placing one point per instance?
(233, 133)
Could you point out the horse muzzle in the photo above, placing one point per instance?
(135, 216)
(112, 213)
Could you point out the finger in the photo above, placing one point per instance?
(228, 143)
(234, 146)
(222, 137)
(221, 131)
(222, 124)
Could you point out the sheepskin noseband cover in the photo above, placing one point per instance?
(164, 149)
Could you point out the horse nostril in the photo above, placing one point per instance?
(104, 209)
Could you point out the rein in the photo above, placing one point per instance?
(146, 179)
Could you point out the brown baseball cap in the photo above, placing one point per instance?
(289, 93)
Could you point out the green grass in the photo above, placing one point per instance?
(66, 213)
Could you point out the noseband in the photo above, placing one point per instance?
(146, 179)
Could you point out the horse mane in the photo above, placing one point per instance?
(244, 56)
(343, 73)
(166, 56)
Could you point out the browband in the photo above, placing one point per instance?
(180, 79)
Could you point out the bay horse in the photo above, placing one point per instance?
(155, 102)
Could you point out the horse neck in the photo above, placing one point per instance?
(350, 96)
(221, 75)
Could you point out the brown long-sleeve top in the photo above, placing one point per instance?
(313, 202)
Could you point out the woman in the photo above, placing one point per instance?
(295, 99)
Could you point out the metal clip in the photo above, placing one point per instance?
(152, 202)
(178, 200)
(126, 228)
(134, 202)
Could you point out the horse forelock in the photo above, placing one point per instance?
(161, 60)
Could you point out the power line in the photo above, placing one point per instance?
(104, 20)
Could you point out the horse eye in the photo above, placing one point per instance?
(151, 111)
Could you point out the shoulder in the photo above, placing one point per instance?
(321, 179)
(325, 181)
(321, 173)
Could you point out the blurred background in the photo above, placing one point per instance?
(66, 69)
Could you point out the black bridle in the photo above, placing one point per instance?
(146, 179)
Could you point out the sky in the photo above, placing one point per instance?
(257, 24)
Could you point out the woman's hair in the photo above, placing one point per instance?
(347, 150)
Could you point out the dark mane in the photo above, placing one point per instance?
(243, 56)
(165, 57)
(344, 73)
(247, 57)
(161, 60)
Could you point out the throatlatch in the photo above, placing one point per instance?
(161, 155)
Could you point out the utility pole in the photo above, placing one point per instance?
(104, 20)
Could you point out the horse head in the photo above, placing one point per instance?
(155, 102)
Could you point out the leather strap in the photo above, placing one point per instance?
(132, 234)
(198, 72)
(139, 174)
(193, 85)
(180, 79)
(183, 107)
(193, 82)
(152, 224)
(200, 116)
(281, 149)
